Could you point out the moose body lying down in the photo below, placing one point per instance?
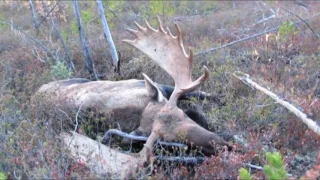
(143, 107)
(114, 102)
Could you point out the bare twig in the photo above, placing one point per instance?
(258, 167)
(76, 127)
(253, 166)
(248, 38)
(36, 54)
(309, 122)
(30, 37)
(317, 35)
(47, 14)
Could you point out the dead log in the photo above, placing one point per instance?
(309, 122)
(101, 159)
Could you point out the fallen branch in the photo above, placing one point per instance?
(259, 168)
(187, 160)
(309, 122)
(250, 37)
(30, 37)
(108, 134)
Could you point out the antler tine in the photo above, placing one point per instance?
(132, 31)
(199, 81)
(170, 33)
(139, 27)
(160, 25)
(149, 27)
(180, 38)
(190, 58)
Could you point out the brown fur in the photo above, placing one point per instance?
(104, 104)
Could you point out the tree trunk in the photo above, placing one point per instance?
(107, 34)
(66, 49)
(88, 62)
(34, 18)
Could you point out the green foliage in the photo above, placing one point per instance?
(161, 7)
(64, 35)
(275, 168)
(60, 71)
(286, 29)
(157, 7)
(74, 26)
(3, 176)
(3, 25)
(86, 16)
(244, 174)
(112, 6)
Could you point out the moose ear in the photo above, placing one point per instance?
(152, 89)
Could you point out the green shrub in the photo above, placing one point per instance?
(286, 29)
(244, 174)
(275, 168)
(60, 71)
(3, 176)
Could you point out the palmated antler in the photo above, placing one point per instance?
(169, 53)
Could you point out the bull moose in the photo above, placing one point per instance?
(143, 106)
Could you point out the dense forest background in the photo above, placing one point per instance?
(276, 42)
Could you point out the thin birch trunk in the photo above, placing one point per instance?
(88, 61)
(34, 18)
(107, 34)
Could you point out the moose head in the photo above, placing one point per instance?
(162, 118)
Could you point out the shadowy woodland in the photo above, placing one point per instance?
(276, 43)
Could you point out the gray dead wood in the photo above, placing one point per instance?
(309, 122)
(34, 18)
(250, 37)
(110, 132)
(107, 34)
(88, 61)
(101, 159)
(30, 37)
